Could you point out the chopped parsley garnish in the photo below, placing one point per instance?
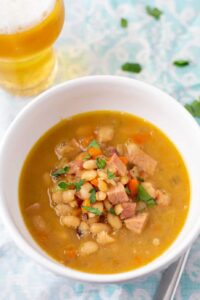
(181, 63)
(92, 196)
(66, 185)
(93, 144)
(110, 174)
(101, 163)
(154, 12)
(63, 185)
(93, 210)
(87, 156)
(127, 190)
(144, 196)
(141, 179)
(112, 211)
(194, 108)
(78, 184)
(124, 23)
(61, 171)
(132, 67)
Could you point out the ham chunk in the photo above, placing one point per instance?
(139, 158)
(117, 164)
(117, 194)
(162, 198)
(105, 134)
(75, 166)
(137, 223)
(67, 148)
(128, 210)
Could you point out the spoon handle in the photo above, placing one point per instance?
(170, 279)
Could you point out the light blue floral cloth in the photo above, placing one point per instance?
(92, 42)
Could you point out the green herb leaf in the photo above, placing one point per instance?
(127, 190)
(86, 157)
(78, 184)
(61, 171)
(124, 23)
(194, 108)
(110, 174)
(181, 63)
(144, 196)
(101, 163)
(154, 12)
(92, 195)
(140, 179)
(93, 144)
(93, 210)
(132, 67)
(112, 211)
(63, 185)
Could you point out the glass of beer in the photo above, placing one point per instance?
(28, 29)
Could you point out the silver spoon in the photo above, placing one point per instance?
(170, 279)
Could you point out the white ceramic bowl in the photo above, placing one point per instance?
(88, 94)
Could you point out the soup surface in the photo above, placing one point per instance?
(104, 192)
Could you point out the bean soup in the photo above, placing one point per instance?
(104, 192)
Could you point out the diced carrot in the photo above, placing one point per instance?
(70, 253)
(124, 159)
(141, 137)
(86, 140)
(86, 202)
(133, 186)
(94, 152)
(94, 182)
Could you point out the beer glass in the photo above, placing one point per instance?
(28, 29)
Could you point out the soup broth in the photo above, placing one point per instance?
(158, 190)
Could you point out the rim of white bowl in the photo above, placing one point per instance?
(47, 261)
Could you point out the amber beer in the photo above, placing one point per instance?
(28, 29)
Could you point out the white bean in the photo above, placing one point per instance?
(104, 238)
(118, 209)
(102, 185)
(68, 196)
(57, 197)
(107, 204)
(102, 174)
(89, 175)
(98, 227)
(148, 186)
(100, 196)
(85, 191)
(114, 221)
(70, 221)
(99, 206)
(124, 180)
(90, 164)
(62, 209)
(93, 219)
(88, 248)
(83, 229)
(73, 204)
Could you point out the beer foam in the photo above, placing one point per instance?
(19, 15)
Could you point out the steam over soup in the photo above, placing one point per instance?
(104, 192)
